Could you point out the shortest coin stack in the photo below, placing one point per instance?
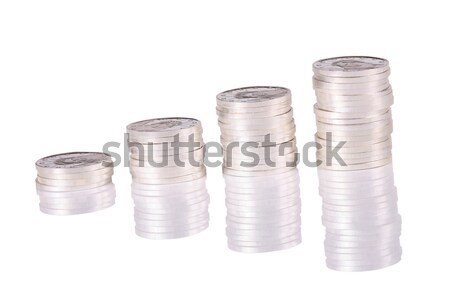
(75, 183)
(169, 180)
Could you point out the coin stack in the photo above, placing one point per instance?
(75, 183)
(262, 182)
(169, 178)
(353, 116)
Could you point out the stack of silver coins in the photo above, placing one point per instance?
(169, 178)
(75, 183)
(353, 115)
(262, 182)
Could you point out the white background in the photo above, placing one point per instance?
(73, 74)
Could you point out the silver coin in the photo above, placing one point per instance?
(172, 228)
(171, 235)
(346, 200)
(362, 166)
(288, 191)
(260, 193)
(254, 202)
(169, 195)
(75, 194)
(366, 262)
(319, 84)
(294, 208)
(195, 140)
(49, 188)
(173, 210)
(359, 79)
(72, 182)
(146, 214)
(186, 220)
(373, 247)
(335, 197)
(370, 237)
(268, 227)
(138, 152)
(364, 207)
(329, 182)
(172, 187)
(73, 162)
(367, 189)
(73, 205)
(358, 108)
(391, 242)
(362, 221)
(247, 132)
(360, 226)
(166, 173)
(354, 121)
(164, 126)
(178, 179)
(265, 242)
(275, 219)
(264, 212)
(340, 133)
(164, 217)
(356, 92)
(67, 202)
(261, 238)
(170, 198)
(252, 173)
(372, 250)
(172, 205)
(227, 114)
(238, 106)
(350, 66)
(355, 152)
(358, 175)
(364, 268)
(367, 212)
(77, 175)
(64, 212)
(278, 247)
(359, 257)
(253, 96)
(257, 141)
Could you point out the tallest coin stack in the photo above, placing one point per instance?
(359, 197)
(262, 183)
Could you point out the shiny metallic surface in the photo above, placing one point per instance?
(262, 199)
(170, 199)
(360, 211)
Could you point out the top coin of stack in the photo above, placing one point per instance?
(353, 104)
(74, 183)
